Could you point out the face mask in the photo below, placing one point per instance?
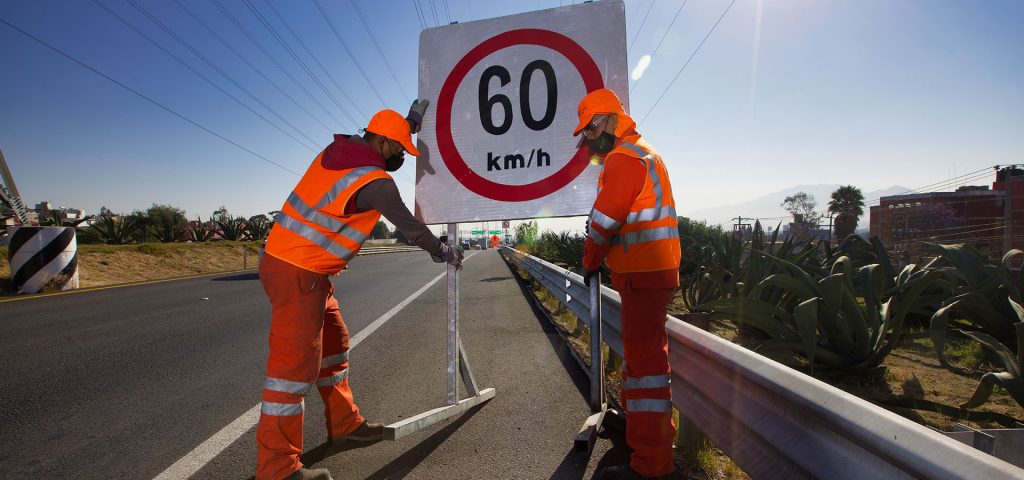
(393, 163)
(603, 144)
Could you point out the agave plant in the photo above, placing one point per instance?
(1013, 378)
(231, 228)
(257, 227)
(116, 230)
(733, 267)
(821, 319)
(981, 298)
(203, 232)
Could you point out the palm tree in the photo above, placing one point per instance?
(848, 202)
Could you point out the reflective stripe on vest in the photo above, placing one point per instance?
(326, 221)
(333, 379)
(651, 172)
(343, 183)
(650, 381)
(646, 235)
(651, 214)
(597, 237)
(604, 221)
(333, 360)
(282, 409)
(310, 233)
(287, 386)
(651, 405)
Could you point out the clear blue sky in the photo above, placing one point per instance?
(788, 92)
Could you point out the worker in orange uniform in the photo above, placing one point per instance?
(321, 228)
(633, 227)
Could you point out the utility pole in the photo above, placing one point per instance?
(738, 227)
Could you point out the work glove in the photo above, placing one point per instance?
(452, 255)
(587, 275)
(415, 116)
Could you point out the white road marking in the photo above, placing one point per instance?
(206, 451)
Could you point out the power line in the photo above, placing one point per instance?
(688, 61)
(247, 62)
(314, 57)
(641, 28)
(351, 56)
(434, 11)
(273, 32)
(447, 13)
(144, 97)
(273, 60)
(667, 30)
(937, 185)
(376, 45)
(199, 74)
(215, 68)
(419, 14)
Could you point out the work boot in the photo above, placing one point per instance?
(625, 472)
(367, 432)
(307, 474)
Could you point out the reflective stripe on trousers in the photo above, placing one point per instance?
(283, 409)
(332, 360)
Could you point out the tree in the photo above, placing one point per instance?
(380, 230)
(848, 203)
(167, 223)
(400, 237)
(801, 205)
(526, 233)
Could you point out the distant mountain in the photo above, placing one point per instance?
(767, 207)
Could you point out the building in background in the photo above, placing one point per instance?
(990, 218)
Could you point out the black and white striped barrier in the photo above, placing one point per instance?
(43, 258)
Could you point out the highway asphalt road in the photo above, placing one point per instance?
(125, 382)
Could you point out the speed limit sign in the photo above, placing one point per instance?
(497, 141)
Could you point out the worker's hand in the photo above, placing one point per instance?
(416, 112)
(451, 255)
(587, 275)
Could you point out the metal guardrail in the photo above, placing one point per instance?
(773, 421)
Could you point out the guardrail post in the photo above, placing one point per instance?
(596, 358)
(689, 437)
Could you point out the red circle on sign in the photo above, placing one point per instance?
(446, 144)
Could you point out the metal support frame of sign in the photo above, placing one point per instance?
(458, 365)
(594, 424)
(497, 142)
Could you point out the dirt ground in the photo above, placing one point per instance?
(100, 265)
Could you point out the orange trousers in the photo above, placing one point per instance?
(646, 394)
(308, 348)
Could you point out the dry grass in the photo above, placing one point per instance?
(100, 265)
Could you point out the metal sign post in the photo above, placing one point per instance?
(457, 365)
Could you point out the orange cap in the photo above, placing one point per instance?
(393, 125)
(598, 102)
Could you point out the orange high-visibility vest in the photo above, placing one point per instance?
(312, 231)
(648, 240)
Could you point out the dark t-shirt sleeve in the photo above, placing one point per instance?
(382, 195)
